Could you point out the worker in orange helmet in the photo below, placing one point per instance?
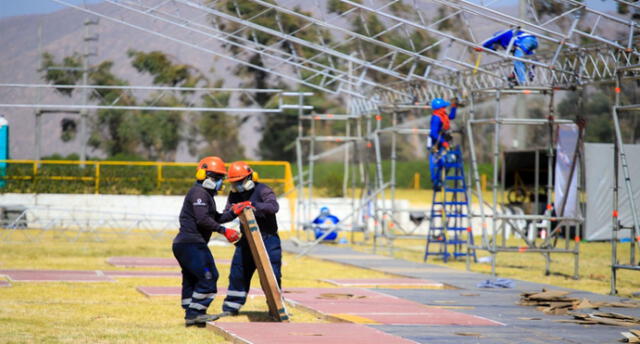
(247, 192)
(198, 220)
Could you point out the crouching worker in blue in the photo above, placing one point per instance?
(245, 192)
(323, 223)
(523, 44)
(439, 137)
(198, 220)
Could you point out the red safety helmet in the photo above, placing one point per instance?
(210, 164)
(239, 170)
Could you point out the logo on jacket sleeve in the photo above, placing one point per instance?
(199, 202)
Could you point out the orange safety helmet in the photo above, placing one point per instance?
(239, 170)
(210, 164)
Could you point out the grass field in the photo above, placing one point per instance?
(594, 265)
(114, 312)
(105, 312)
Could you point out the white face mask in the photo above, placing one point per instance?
(242, 186)
(211, 184)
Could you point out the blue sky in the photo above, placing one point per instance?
(10, 8)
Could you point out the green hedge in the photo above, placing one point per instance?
(329, 173)
(114, 179)
(134, 179)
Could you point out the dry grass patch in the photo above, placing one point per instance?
(594, 265)
(114, 312)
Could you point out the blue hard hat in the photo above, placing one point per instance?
(439, 103)
(324, 210)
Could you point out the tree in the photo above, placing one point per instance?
(219, 131)
(280, 131)
(154, 135)
(598, 102)
(62, 73)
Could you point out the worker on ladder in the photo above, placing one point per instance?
(248, 192)
(521, 44)
(198, 220)
(440, 137)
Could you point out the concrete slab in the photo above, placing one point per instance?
(385, 283)
(368, 306)
(176, 291)
(521, 324)
(395, 270)
(146, 274)
(56, 276)
(352, 256)
(298, 333)
(4, 284)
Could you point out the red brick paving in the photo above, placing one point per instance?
(299, 333)
(128, 273)
(151, 262)
(360, 282)
(378, 307)
(56, 276)
(175, 291)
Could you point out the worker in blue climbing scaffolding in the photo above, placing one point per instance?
(521, 44)
(439, 140)
(324, 222)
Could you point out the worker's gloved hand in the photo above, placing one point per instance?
(231, 235)
(454, 102)
(434, 149)
(478, 49)
(445, 145)
(237, 208)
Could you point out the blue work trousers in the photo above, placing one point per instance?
(199, 277)
(525, 44)
(243, 267)
(436, 164)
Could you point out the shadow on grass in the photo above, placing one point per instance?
(256, 316)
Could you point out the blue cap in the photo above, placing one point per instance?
(324, 210)
(439, 103)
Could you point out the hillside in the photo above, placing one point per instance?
(62, 34)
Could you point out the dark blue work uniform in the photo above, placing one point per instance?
(198, 220)
(264, 200)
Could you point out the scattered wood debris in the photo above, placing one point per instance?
(605, 318)
(468, 334)
(528, 318)
(557, 302)
(632, 336)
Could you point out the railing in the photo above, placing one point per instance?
(125, 177)
(90, 172)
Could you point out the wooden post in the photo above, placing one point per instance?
(267, 278)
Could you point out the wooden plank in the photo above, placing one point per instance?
(267, 278)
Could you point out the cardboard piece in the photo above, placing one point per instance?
(607, 318)
(558, 303)
(267, 278)
(633, 336)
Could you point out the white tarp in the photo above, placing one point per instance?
(599, 189)
(567, 141)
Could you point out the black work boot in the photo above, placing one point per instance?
(200, 320)
(227, 314)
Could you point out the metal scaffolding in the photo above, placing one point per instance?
(409, 59)
(501, 218)
(306, 56)
(620, 160)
